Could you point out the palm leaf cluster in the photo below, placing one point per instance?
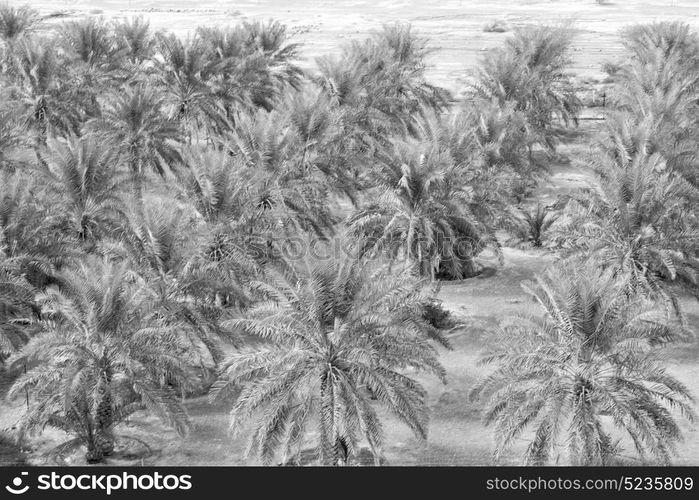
(585, 380)
(530, 74)
(99, 359)
(639, 220)
(150, 183)
(155, 192)
(337, 335)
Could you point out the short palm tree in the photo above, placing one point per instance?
(101, 357)
(574, 382)
(335, 335)
(184, 75)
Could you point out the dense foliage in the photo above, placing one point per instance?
(189, 215)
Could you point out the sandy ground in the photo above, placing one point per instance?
(457, 436)
(455, 27)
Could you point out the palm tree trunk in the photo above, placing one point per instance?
(137, 174)
(104, 435)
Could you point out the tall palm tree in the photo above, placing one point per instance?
(101, 357)
(251, 64)
(585, 374)
(272, 41)
(334, 333)
(424, 215)
(88, 40)
(134, 122)
(668, 37)
(84, 176)
(220, 195)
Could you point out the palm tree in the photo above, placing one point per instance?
(659, 88)
(335, 335)
(133, 121)
(220, 195)
(92, 56)
(503, 139)
(134, 41)
(585, 374)
(252, 65)
(424, 214)
(49, 102)
(379, 86)
(642, 40)
(101, 357)
(271, 40)
(637, 222)
(15, 22)
(530, 73)
(12, 138)
(168, 250)
(88, 40)
(83, 175)
(531, 225)
(184, 73)
(16, 306)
